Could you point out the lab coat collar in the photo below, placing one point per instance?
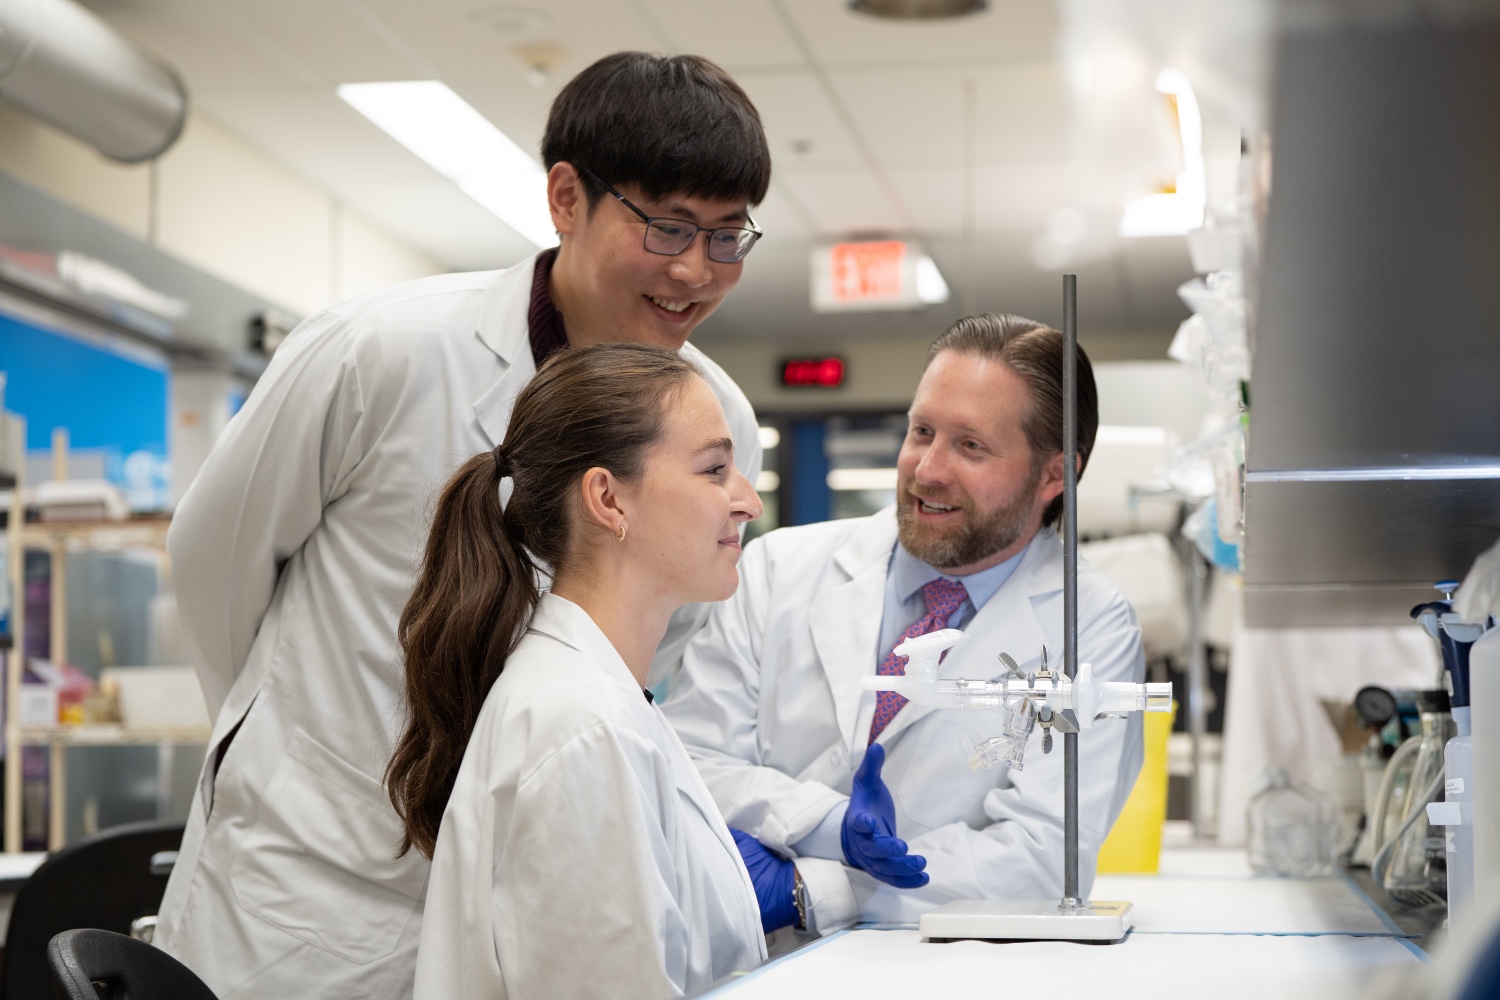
(1007, 623)
(845, 619)
(561, 619)
(502, 328)
(869, 544)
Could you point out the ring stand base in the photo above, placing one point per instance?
(1027, 920)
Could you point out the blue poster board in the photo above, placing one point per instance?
(111, 395)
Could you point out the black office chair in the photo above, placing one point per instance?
(104, 881)
(92, 964)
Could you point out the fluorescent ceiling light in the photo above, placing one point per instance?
(931, 288)
(770, 437)
(458, 142)
(1182, 211)
(767, 482)
(861, 479)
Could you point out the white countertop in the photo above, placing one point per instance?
(1204, 926)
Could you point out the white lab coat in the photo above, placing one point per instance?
(293, 553)
(580, 854)
(769, 705)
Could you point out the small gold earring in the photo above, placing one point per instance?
(620, 536)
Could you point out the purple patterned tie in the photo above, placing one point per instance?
(942, 597)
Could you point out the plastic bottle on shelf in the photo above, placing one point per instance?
(1455, 813)
(1458, 789)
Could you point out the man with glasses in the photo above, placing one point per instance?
(298, 543)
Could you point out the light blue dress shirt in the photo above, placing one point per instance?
(904, 579)
(907, 576)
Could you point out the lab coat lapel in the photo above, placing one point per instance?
(1008, 623)
(502, 327)
(690, 783)
(846, 618)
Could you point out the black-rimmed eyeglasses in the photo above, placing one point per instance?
(670, 237)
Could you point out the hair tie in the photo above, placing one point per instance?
(502, 463)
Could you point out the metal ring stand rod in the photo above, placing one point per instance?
(1070, 581)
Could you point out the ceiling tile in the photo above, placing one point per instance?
(326, 37)
(781, 216)
(1017, 197)
(318, 136)
(265, 69)
(932, 193)
(918, 113)
(1023, 110)
(802, 126)
(842, 202)
(745, 33)
(206, 43)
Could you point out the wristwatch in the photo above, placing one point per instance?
(800, 900)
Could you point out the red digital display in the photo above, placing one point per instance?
(822, 372)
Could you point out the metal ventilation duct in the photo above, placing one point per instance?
(62, 64)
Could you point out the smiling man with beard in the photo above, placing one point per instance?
(769, 701)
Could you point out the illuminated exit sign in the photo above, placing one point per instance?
(874, 275)
(823, 373)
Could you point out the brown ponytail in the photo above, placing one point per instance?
(591, 407)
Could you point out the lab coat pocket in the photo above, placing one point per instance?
(297, 867)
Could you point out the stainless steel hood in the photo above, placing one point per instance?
(1373, 462)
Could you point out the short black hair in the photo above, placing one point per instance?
(1033, 351)
(666, 124)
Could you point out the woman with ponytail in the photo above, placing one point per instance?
(575, 851)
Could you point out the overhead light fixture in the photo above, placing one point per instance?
(1181, 211)
(446, 132)
(926, 9)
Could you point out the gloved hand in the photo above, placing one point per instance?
(869, 834)
(774, 878)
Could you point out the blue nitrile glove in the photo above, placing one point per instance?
(869, 834)
(774, 878)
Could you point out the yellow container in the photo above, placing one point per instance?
(1134, 844)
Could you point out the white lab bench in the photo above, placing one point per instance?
(1205, 926)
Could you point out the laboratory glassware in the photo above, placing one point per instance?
(1412, 866)
(1291, 829)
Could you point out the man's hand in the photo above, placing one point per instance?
(774, 879)
(869, 834)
